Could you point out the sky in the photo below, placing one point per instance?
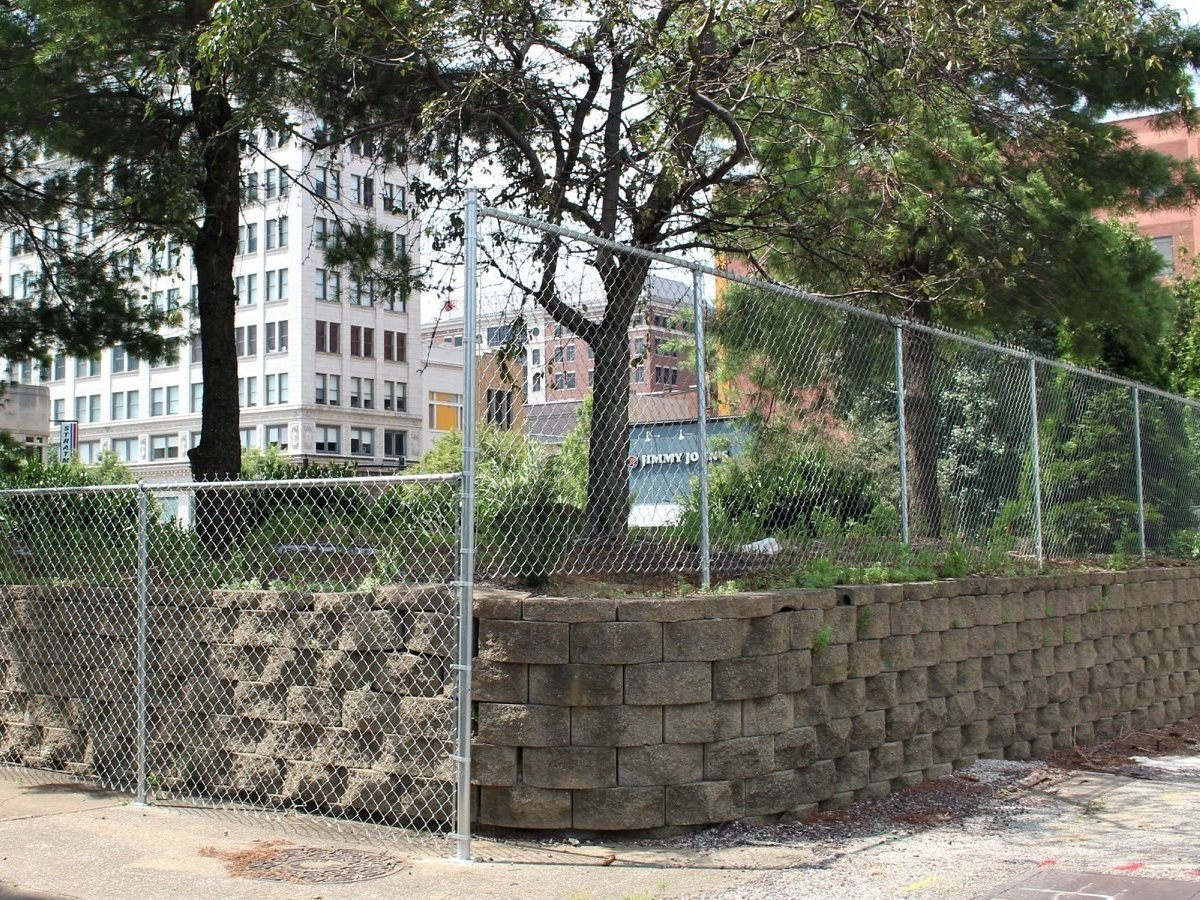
(1189, 8)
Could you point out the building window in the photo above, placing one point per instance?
(197, 351)
(362, 342)
(248, 391)
(328, 389)
(87, 368)
(327, 337)
(362, 189)
(535, 357)
(394, 197)
(395, 396)
(88, 451)
(395, 444)
(275, 436)
(395, 346)
(164, 401)
(328, 437)
(500, 408)
(325, 233)
(361, 293)
(249, 437)
(164, 446)
(277, 285)
(570, 353)
(125, 405)
(126, 449)
(276, 336)
(246, 288)
(60, 367)
(362, 393)
(277, 233)
(362, 441)
(196, 401)
(277, 389)
(250, 188)
(58, 411)
(122, 361)
(328, 183)
(245, 339)
(20, 242)
(247, 238)
(328, 285)
(1165, 245)
(445, 411)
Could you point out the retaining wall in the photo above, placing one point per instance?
(336, 702)
(643, 713)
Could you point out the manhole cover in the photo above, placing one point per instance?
(273, 861)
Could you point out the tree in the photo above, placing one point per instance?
(78, 294)
(980, 211)
(625, 120)
(157, 123)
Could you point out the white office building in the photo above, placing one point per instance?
(327, 364)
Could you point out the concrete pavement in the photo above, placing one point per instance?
(59, 839)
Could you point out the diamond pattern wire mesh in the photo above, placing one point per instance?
(300, 639)
(590, 439)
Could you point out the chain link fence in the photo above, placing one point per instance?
(283, 645)
(648, 419)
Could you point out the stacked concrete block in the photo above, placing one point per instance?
(340, 703)
(634, 714)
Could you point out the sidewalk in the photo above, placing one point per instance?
(63, 840)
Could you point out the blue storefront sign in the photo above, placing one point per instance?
(664, 460)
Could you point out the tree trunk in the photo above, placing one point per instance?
(920, 414)
(218, 455)
(607, 515)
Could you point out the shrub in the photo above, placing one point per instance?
(802, 494)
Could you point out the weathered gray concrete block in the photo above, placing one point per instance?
(773, 792)
(704, 639)
(768, 715)
(524, 642)
(796, 748)
(616, 726)
(616, 643)
(313, 706)
(660, 764)
(570, 767)
(620, 808)
(524, 725)
(700, 723)
(739, 758)
(433, 634)
(576, 685)
(738, 679)
(493, 765)
(658, 684)
(767, 636)
(701, 803)
(521, 806)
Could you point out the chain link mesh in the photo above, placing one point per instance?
(591, 440)
(299, 641)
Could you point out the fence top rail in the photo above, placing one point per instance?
(824, 300)
(246, 485)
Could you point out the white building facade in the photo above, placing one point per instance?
(327, 364)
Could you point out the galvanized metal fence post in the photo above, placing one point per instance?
(1036, 452)
(901, 426)
(466, 560)
(702, 431)
(1137, 457)
(143, 591)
